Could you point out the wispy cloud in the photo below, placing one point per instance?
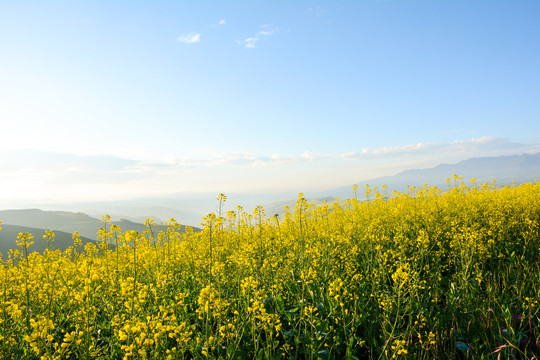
(482, 146)
(40, 160)
(317, 11)
(266, 33)
(250, 42)
(191, 38)
(220, 22)
(308, 155)
(36, 174)
(262, 34)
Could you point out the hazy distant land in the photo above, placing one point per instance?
(130, 215)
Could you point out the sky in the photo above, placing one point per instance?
(110, 100)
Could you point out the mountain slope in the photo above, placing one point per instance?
(504, 169)
(8, 237)
(66, 221)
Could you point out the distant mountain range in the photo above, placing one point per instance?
(66, 221)
(8, 237)
(130, 214)
(63, 223)
(504, 169)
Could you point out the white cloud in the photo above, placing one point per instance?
(190, 38)
(47, 176)
(250, 42)
(267, 33)
(263, 34)
(483, 146)
(220, 22)
(308, 155)
(230, 159)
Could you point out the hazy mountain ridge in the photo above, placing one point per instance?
(68, 222)
(504, 169)
(189, 208)
(137, 210)
(8, 237)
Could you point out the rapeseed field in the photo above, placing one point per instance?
(427, 274)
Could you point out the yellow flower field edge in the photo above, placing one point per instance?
(425, 274)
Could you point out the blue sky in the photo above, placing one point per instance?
(125, 99)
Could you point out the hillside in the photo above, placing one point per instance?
(68, 222)
(8, 236)
(504, 169)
